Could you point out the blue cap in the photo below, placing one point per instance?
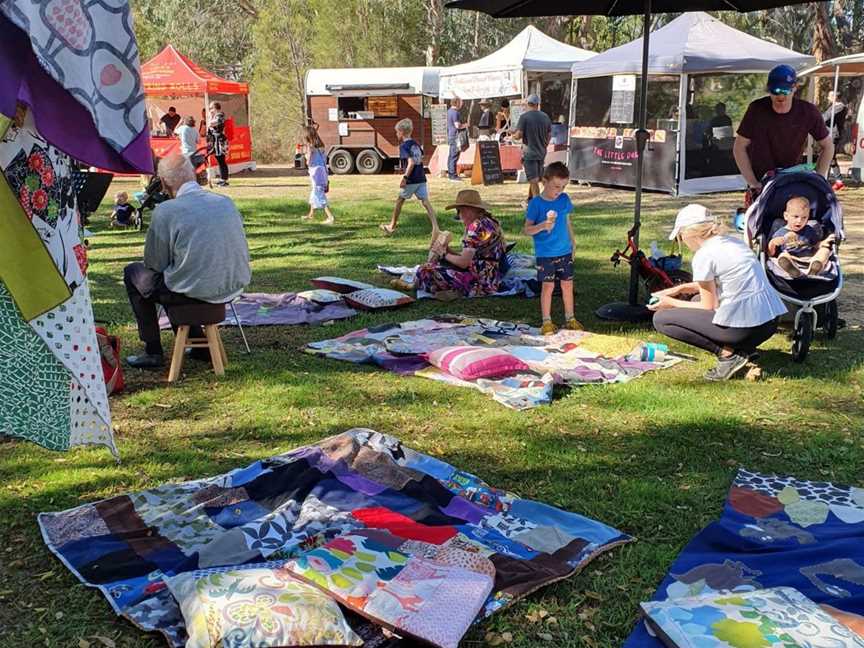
(533, 99)
(782, 77)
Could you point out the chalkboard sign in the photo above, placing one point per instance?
(516, 110)
(438, 116)
(487, 163)
(623, 99)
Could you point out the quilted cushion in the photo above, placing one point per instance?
(470, 362)
(262, 607)
(320, 296)
(339, 285)
(377, 298)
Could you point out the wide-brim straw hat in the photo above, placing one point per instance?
(485, 102)
(469, 198)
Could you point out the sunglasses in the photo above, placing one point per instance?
(781, 91)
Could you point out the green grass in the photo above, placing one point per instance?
(653, 457)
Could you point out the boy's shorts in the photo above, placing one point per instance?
(419, 189)
(551, 268)
(533, 169)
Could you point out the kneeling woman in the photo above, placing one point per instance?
(736, 309)
(474, 270)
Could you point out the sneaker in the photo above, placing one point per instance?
(573, 324)
(548, 328)
(727, 367)
(146, 361)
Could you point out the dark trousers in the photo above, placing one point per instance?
(223, 167)
(693, 326)
(146, 288)
(453, 158)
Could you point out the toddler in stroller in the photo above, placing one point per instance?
(797, 225)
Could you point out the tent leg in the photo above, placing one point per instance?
(641, 140)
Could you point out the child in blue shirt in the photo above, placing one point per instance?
(799, 247)
(413, 181)
(547, 220)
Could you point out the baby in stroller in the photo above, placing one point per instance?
(806, 272)
(800, 248)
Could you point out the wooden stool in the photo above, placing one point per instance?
(202, 314)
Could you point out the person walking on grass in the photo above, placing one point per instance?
(454, 125)
(413, 181)
(316, 161)
(547, 221)
(534, 130)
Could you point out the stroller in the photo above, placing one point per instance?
(154, 194)
(815, 297)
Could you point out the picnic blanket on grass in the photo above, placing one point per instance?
(565, 358)
(776, 532)
(521, 277)
(404, 539)
(286, 309)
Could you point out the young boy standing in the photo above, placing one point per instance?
(414, 180)
(547, 220)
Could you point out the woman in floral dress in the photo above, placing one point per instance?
(476, 269)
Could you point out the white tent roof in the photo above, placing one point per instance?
(530, 50)
(692, 43)
(850, 65)
(373, 81)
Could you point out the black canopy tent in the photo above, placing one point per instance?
(631, 311)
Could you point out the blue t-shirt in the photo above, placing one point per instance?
(410, 150)
(452, 118)
(557, 242)
(803, 243)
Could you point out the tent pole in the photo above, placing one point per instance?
(641, 139)
(834, 103)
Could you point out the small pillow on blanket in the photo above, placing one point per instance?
(320, 296)
(261, 607)
(470, 362)
(339, 285)
(377, 298)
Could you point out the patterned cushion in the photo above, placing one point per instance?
(377, 298)
(470, 362)
(260, 607)
(339, 285)
(320, 296)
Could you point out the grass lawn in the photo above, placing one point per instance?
(654, 457)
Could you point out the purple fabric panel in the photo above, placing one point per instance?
(404, 365)
(59, 117)
(464, 510)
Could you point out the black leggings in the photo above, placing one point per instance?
(694, 326)
(223, 167)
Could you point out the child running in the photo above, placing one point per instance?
(413, 181)
(316, 160)
(547, 220)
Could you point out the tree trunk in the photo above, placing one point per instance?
(823, 39)
(435, 15)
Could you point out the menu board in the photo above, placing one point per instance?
(487, 163)
(383, 106)
(438, 116)
(517, 107)
(623, 99)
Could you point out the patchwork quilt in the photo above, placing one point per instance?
(521, 278)
(286, 309)
(406, 540)
(777, 532)
(561, 359)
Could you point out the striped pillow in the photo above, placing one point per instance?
(470, 362)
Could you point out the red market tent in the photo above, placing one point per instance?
(171, 79)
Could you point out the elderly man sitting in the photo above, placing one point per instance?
(195, 251)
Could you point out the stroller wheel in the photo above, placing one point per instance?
(802, 337)
(830, 320)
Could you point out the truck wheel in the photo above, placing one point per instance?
(341, 162)
(368, 162)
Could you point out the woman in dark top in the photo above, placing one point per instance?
(217, 142)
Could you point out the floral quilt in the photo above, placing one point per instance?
(554, 360)
(777, 531)
(401, 538)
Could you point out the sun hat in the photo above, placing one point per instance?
(485, 102)
(692, 214)
(469, 198)
(782, 77)
(533, 99)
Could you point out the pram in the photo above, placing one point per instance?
(154, 194)
(815, 297)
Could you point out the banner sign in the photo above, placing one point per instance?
(438, 117)
(608, 156)
(503, 83)
(239, 148)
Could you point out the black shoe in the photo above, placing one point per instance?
(727, 367)
(198, 354)
(145, 361)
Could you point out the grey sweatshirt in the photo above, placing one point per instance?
(197, 241)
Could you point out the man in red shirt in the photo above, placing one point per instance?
(774, 130)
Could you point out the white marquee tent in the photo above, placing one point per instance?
(505, 72)
(693, 44)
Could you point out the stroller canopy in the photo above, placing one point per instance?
(771, 204)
